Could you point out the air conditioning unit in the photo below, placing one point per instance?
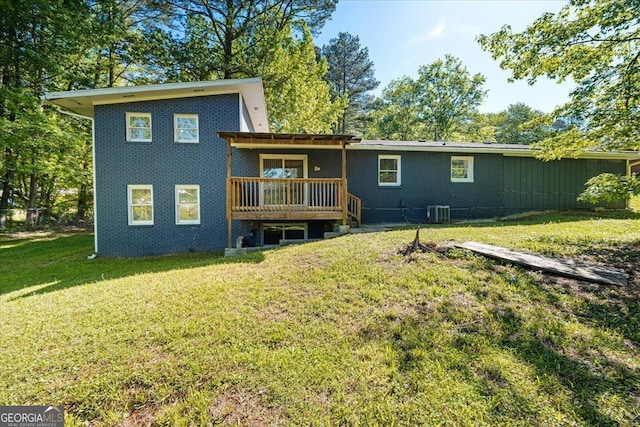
(437, 214)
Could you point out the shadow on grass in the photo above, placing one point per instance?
(583, 377)
(612, 307)
(585, 384)
(39, 263)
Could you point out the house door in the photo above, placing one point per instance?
(283, 167)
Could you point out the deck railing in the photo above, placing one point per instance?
(296, 194)
(291, 198)
(354, 208)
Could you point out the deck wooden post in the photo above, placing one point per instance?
(344, 182)
(228, 197)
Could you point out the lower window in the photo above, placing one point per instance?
(140, 204)
(187, 204)
(273, 233)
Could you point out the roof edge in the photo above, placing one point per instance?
(123, 90)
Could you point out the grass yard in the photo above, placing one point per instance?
(339, 332)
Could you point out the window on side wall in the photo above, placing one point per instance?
(185, 128)
(388, 170)
(139, 127)
(140, 201)
(187, 204)
(461, 169)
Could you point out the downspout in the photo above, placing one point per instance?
(93, 159)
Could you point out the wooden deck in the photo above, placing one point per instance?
(564, 267)
(252, 198)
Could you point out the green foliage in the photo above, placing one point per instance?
(351, 73)
(44, 154)
(608, 187)
(595, 43)
(440, 102)
(518, 126)
(232, 33)
(303, 335)
(447, 96)
(298, 98)
(481, 128)
(397, 118)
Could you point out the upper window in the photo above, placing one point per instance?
(139, 127)
(461, 169)
(185, 128)
(388, 170)
(140, 201)
(187, 204)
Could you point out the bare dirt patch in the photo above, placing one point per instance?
(242, 407)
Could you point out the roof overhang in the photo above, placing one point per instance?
(507, 150)
(251, 140)
(82, 102)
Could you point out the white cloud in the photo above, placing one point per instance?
(436, 32)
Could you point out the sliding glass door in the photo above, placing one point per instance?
(283, 167)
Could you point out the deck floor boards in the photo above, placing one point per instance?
(561, 266)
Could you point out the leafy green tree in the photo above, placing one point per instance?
(522, 125)
(447, 96)
(117, 41)
(397, 115)
(37, 40)
(480, 128)
(596, 43)
(351, 73)
(609, 187)
(298, 98)
(189, 58)
(237, 29)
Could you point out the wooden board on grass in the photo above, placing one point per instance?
(560, 266)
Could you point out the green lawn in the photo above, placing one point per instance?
(338, 332)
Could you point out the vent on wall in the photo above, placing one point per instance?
(437, 214)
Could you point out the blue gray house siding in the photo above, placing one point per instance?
(425, 181)
(530, 184)
(502, 185)
(163, 164)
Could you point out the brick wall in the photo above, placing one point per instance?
(164, 164)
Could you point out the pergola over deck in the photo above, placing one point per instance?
(262, 198)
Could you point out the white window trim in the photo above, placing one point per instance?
(176, 137)
(469, 177)
(302, 157)
(398, 171)
(134, 114)
(130, 204)
(178, 220)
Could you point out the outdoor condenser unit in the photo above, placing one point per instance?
(438, 214)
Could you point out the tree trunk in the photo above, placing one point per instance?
(83, 203)
(7, 187)
(4, 199)
(48, 199)
(33, 196)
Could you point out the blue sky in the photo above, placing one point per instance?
(402, 35)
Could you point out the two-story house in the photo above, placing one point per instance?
(193, 166)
